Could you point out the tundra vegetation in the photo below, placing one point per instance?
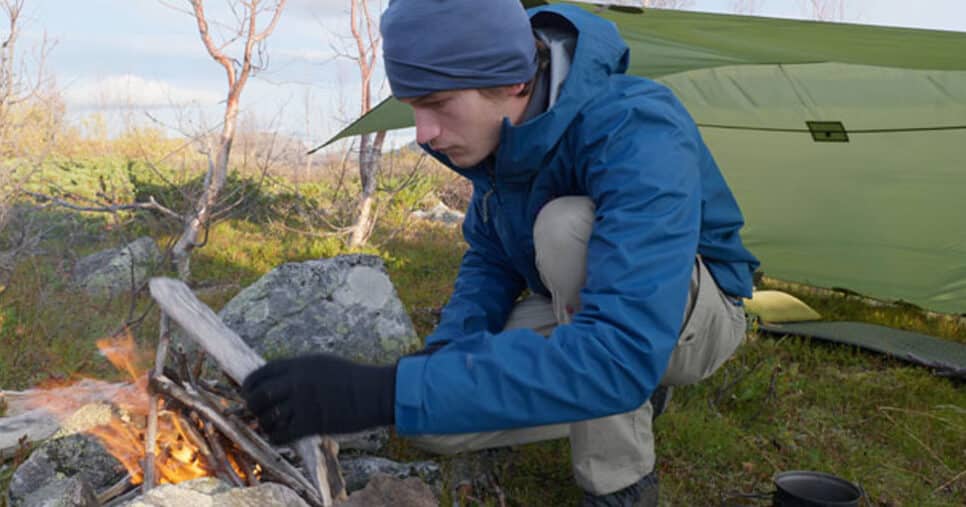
(68, 189)
(780, 404)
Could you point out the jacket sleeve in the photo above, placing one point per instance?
(486, 286)
(638, 162)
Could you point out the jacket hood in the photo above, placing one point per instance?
(599, 53)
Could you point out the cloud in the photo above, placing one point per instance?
(132, 91)
(308, 55)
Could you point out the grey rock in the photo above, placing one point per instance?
(210, 492)
(83, 419)
(364, 441)
(66, 492)
(78, 455)
(441, 213)
(109, 272)
(27, 427)
(345, 305)
(359, 470)
(196, 493)
(386, 491)
(259, 496)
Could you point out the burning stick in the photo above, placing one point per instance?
(233, 355)
(240, 434)
(150, 439)
(221, 458)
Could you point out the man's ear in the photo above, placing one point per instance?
(515, 89)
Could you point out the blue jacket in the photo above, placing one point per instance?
(628, 144)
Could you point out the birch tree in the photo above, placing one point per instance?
(30, 115)
(824, 10)
(238, 70)
(367, 41)
(746, 7)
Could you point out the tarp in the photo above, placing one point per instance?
(947, 357)
(884, 213)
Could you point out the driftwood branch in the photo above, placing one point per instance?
(238, 360)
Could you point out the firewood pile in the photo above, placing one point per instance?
(213, 417)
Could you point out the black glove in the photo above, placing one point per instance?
(320, 394)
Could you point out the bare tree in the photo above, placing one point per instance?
(253, 59)
(28, 122)
(656, 4)
(746, 7)
(19, 88)
(367, 41)
(824, 10)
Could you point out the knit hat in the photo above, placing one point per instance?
(435, 45)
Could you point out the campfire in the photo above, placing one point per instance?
(169, 425)
(185, 448)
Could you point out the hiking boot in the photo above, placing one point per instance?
(642, 493)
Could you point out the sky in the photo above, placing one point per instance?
(132, 58)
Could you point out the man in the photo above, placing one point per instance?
(593, 190)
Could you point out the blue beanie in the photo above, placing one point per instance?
(434, 45)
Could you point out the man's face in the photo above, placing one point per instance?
(464, 125)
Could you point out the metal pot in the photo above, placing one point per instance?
(803, 488)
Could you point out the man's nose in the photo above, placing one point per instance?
(427, 128)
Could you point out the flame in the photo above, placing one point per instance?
(122, 353)
(177, 456)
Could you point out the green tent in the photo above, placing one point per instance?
(845, 144)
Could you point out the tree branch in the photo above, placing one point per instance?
(216, 53)
(272, 24)
(152, 204)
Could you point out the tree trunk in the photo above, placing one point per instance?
(370, 156)
(214, 183)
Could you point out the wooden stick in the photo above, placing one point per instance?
(222, 459)
(268, 458)
(189, 429)
(238, 360)
(151, 437)
(115, 490)
(249, 470)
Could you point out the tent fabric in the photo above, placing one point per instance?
(881, 214)
(948, 357)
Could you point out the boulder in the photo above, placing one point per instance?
(386, 491)
(24, 429)
(358, 470)
(441, 213)
(345, 305)
(110, 272)
(77, 455)
(210, 492)
(64, 492)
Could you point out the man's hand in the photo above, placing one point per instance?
(320, 394)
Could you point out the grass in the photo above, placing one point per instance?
(779, 404)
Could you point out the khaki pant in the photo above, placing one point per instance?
(612, 452)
